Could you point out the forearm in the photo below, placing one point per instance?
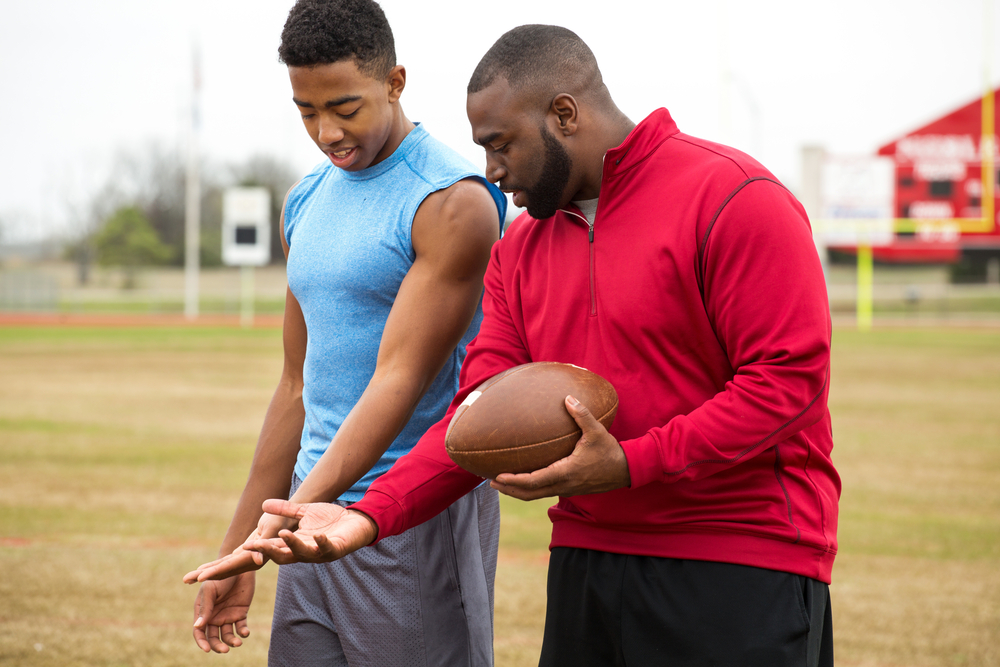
(273, 462)
(418, 487)
(425, 481)
(376, 420)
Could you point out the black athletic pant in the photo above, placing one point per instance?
(609, 609)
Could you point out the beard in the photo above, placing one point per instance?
(545, 196)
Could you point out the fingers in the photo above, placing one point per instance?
(543, 483)
(276, 550)
(192, 576)
(204, 605)
(229, 637)
(214, 640)
(270, 524)
(582, 416)
(551, 480)
(201, 640)
(213, 637)
(284, 508)
(596, 464)
(326, 551)
(220, 622)
(516, 488)
(230, 566)
(303, 551)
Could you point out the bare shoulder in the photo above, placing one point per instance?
(463, 214)
(463, 203)
(281, 218)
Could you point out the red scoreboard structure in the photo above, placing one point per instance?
(943, 204)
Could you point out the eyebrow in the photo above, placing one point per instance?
(482, 141)
(344, 99)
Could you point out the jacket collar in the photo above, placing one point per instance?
(644, 138)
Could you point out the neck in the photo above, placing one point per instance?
(399, 128)
(611, 129)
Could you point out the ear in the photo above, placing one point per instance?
(566, 112)
(395, 81)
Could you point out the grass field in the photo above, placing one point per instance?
(122, 451)
(911, 294)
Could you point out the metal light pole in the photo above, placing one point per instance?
(192, 208)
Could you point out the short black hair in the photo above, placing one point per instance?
(318, 32)
(532, 54)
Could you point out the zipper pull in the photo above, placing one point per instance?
(591, 228)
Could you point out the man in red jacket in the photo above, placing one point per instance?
(702, 529)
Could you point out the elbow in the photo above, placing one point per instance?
(404, 385)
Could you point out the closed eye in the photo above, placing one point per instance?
(349, 115)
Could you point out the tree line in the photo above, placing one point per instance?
(136, 218)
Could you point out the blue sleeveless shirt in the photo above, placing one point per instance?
(349, 249)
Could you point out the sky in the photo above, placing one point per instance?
(83, 80)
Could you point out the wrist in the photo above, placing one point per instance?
(624, 476)
(642, 459)
(373, 527)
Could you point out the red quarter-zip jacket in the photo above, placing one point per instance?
(699, 295)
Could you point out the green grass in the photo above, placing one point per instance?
(49, 339)
(123, 450)
(917, 432)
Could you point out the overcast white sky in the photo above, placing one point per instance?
(82, 79)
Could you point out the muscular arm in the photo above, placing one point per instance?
(452, 233)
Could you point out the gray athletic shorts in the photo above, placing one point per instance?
(424, 597)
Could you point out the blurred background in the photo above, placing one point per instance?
(110, 105)
(130, 394)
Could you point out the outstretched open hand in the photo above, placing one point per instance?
(326, 532)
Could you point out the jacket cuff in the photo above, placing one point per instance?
(383, 510)
(643, 456)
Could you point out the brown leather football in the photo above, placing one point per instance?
(517, 420)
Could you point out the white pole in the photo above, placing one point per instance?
(192, 208)
(810, 194)
(246, 296)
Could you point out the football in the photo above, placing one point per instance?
(517, 420)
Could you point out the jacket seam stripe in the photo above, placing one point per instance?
(816, 492)
(788, 499)
(749, 449)
(718, 212)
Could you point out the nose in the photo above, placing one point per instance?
(494, 170)
(330, 132)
